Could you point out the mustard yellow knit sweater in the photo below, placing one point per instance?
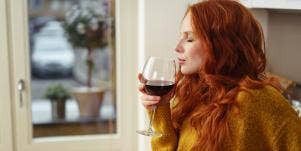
(266, 122)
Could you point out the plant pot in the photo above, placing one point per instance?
(89, 100)
(58, 109)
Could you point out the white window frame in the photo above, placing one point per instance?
(126, 64)
(5, 106)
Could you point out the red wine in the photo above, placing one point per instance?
(158, 87)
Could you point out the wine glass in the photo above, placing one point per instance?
(158, 75)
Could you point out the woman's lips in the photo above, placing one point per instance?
(181, 61)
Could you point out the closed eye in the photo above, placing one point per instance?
(189, 40)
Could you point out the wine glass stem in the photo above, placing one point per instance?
(154, 107)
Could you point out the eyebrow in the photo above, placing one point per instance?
(187, 33)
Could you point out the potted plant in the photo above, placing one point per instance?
(86, 28)
(58, 95)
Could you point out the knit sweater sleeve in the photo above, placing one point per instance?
(162, 124)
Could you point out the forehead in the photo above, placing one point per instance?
(186, 24)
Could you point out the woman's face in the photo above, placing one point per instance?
(189, 49)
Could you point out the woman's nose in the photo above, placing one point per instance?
(179, 47)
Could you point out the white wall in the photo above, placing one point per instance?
(162, 24)
(159, 24)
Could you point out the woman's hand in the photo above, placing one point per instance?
(149, 100)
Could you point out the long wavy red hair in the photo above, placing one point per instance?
(235, 61)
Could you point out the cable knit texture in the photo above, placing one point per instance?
(265, 122)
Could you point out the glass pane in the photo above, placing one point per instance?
(72, 57)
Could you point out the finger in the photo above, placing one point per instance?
(150, 98)
(148, 104)
(141, 78)
(141, 88)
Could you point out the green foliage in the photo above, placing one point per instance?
(57, 92)
(85, 28)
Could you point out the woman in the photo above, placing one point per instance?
(222, 100)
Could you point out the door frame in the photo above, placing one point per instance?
(126, 66)
(5, 106)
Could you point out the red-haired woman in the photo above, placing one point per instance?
(222, 100)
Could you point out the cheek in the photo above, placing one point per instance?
(192, 65)
(195, 61)
(196, 56)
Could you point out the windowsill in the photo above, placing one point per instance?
(44, 125)
(42, 112)
(63, 128)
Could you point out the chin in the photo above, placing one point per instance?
(185, 71)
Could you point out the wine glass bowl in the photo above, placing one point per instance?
(158, 75)
(158, 87)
